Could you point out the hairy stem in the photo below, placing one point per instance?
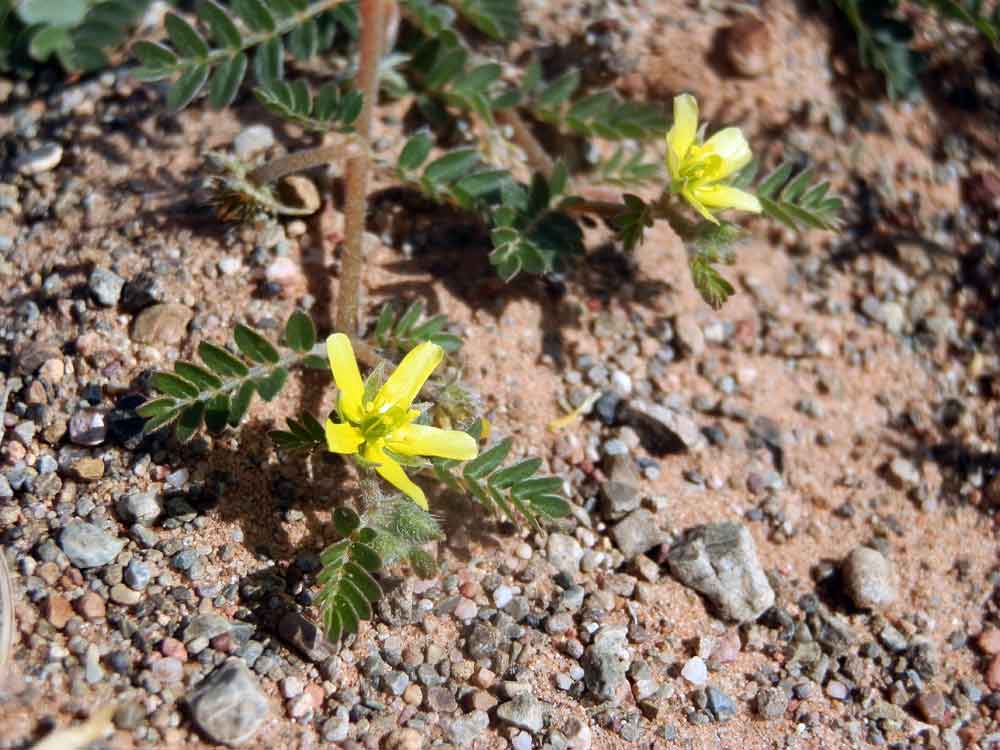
(357, 166)
(297, 161)
(523, 137)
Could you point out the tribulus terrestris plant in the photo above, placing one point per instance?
(400, 410)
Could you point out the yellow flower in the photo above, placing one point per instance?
(386, 422)
(698, 170)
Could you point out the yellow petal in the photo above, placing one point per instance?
(393, 473)
(405, 383)
(725, 196)
(421, 440)
(681, 135)
(730, 144)
(346, 375)
(342, 437)
(698, 206)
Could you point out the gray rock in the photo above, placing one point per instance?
(464, 730)
(689, 335)
(137, 575)
(564, 553)
(868, 577)
(396, 682)
(106, 286)
(719, 560)
(721, 705)
(88, 427)
(139, 507)
(93, 672)
(605, 662)
(89, 546)
(667, 431)
(620, 494)
(637, 533)
(772, 702)
(42, 159)
(524, 711)
(904, 473)
(228, 705)
(252, 140)
(305, 637)
(162, 324)
(207, 626)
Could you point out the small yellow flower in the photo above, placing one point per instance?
(386, 422)
(698, 170)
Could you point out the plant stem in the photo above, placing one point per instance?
(356, 168)
(297, 161)
(523, 137)
(604, 209)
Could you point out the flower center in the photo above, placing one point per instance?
(378, 423)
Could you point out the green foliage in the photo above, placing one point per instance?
(711, 245)
(632, 222)
(884, 43)
(885, 37)
(498, 19)
(303, 434)
(217, 51)
(78, 34)
(445, 68)
(797, 202)
(319, 113)
(529, 233)
(602, 114)
(971, 12)
(401, 528)
(348, 587)
(218, 391)
(403, 332)
(528, 230)
(390, 530)
(458, 177)
(627, 168)
(510, 490)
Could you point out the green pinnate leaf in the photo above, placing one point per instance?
(186, 40)
(363, 580)
(488, 460)
(157, 407)
(226, 81)
(498, 19)
(174, 385)
(366, 557)
(220, 361)
(223, 29)
(414, 153)
(199, 376)
(254, 346)
(350, 592)
(254, 13)
(270, 386)
(189, 421)
(217, 413)
(269, 63)
(345, 521)
(239, 404)
(300, 332)
(154, 56)
(187, 87)
(512, 474)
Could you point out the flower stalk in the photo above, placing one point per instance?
(357, 167)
